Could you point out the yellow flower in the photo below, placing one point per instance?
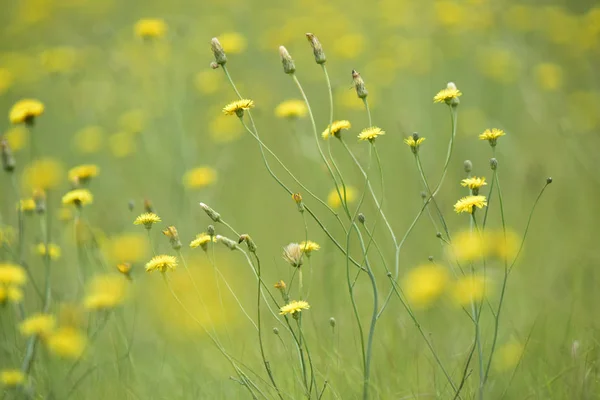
(468, 246)
(105, 292)
(506, 247)
(232, 42)
(199, 177)
(26, 205)
(469, 203)
(424, 284)
(294, 307)
(127, 247)
(202, 240)
(67, 342)
(291, 109)
(83, 173)
(44, 173)
(11, 274)
(370, 133)
(208, 81)
(121, 144)
(124, 268)
(26, 110)
(78, 197)
(448, 94)
(509, 356)
(237, 107)
(11, 378)
(38, 324)
(414, 144)
(492, 135)
(280, 285)
(52, 250)
(89, 139)
(473, 183)
(335, 129)
(150, 28)
(468, 289)
(147, 219)
(17, 137)
(308, 247)
(335, 200)
(548, 76)
(12, 293)
(133, 121)
(162, 263)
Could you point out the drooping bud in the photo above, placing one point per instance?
(359, 85)
(286, 60)
(249, 242)
(219, 53)
(230, 244)
(125, 269)
(8, 160)
(276, 331)
(215, 216)
(320, 57)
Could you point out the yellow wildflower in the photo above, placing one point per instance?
(202, 240)
(26, 205)
(280, 285)
(308, 247)
(78, 197)
(105, 292)
(52, 250)
(89, 139)
(147, 219)
(237, 107)
(38, 324)
(232, 42)
(150, 28)
(12, 293)
(67, 342)
(162, 263)
(469, 203)
(474, 183)
(11, 378)
(43, 173)
(508, 356)
(127, 247)
(448, 94)
(424, 284)
(291, 109)
(294, 307)
(469, 246)
(548, 76)
(410, 141)
(208, 81)
(12, 274)
(83, 173)
(370, 133)
(26, 111)
(125, 269)
(492, 135)
(468, 289)
(17, 137)
(335, 128)
(335, 200)
(122, 144)
(199, 177)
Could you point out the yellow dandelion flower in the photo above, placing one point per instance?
(78, 198)
(12, 274)
(26, 205)
(410, 141)
(124, 268)
(291, 109)
(89, 140)
(473, 182)
(280, 285)
(424, 284)
(202, 240)
(105, 292)
(67, 342)
(469, 203)
(44, 173)
(237, 107)
(38, 324)
(448, 94)
(11, 378)
(335, 128)
(492, 135)
(199, 177)
(294, 307)
(127, 247)
(370, 133)
(26, 111)
(505, 246)
(468, 289)
(335, 200)
(147, 219)
(52, 250)
(17, 137)
(83, 173)
(508, 356)
(468, 246)
(233, 42)
(162, 263)
(309, 246)
(150, 28)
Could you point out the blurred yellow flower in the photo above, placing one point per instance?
(11, 378)
(508, 356)
(89, 139)
(224, 129)
(468, 289)
(38, 324)
(237, 107)
(83, 173)
(291, 109)
(12, 274)
(335, 200)
(150, 28)
(147, 219)
(348, 46)
(548, 76)
(128, 247)
(335, 128)
(470, 203)
(498, 64)
(67, 342)
(162, 263)
(133, 121)
(43, 173)
(52, 250)
(370, 133)
(557, 24)
(506, 247)
(469, 246)
(202, 240)
(424, 284)
(233, 42)
(59, 59)
(6, 80)
(26, 110)
(122, 144)
(309, 246)
(199, 177)
(17, 137)
(27, 206)
(208, 81)
(78, 198)
(450, 14)
(125, 269)
(519, 17)
(105, 292)
(293, 307)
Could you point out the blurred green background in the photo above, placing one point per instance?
(146, 111)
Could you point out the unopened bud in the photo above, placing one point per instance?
(468, 165)
(332, 322)
(438, 235)
(361, 218)
(148, 206)
(230, 244)
(298, 199)
(548, 180)
(317, 48)
(249, 242)
(215, 216)
(423, 195)
(389, 274)
(39, 197)
(493, 164)
(8, 161)
(210, 230)
(214, 65)
(359, 85)
(173, 235)
(131, 205)
(276, 331)
(286, 60)
(219, 53)
(430, 258)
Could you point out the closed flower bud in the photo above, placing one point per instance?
(438, 235)
(219, 53)
(8, 161)
(359, 85)
(249, 242)
(210, 230)
(298, 199)
(317, 48)
(39, 197)
(148, 206)
(493, 164)
(430, 258)
(361, 218)
(230, 244)
(332, 322)
(131, 205)
(548, 180)
(173, 235)
(468, 165)
(276, 331)
(214, 65)
(215, 216)
(286, 60)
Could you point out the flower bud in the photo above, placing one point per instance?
(361, 218)
(298, 199)
(276, 331)
(39, 197)
(438, 235)
(214, 65)
(230, 244)
(468, 165)
(548, 180)
(286, 60)
(332, 322)
(493, 164)
(430, 258)
(131, 205)
(219, 53)
(148, 206)
(215, 216)
(210, 230)
(359, 85)
(8, 160)
(317, 48)
(249, 242)
(173, 235)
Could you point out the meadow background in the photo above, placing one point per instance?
(147, 111)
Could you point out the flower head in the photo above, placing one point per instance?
(83, 173)
(308, 247)
(334, 199)
(237, 107)
(199, 177)
(449, 95)
(162, 263)
(280, 285)
(38, 324)
(292, 253)
(414, 141)
(232, 42)
(202, 240)
(370, 133)
(291, 109)
(78, 197)
(26, 111)
(492, 135)
(294, 307)
(147, 219)
(469, 289)
(11, 293)
(11, 274)
(26, 205)
(335, 129)
(469, 203)
(67, 342)
(469, 246)
(425, 284)
(105, 292)
(124, 268)
(43, 173)
(473, 183)
(51, 250)
(150, 28)
(11, 378)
